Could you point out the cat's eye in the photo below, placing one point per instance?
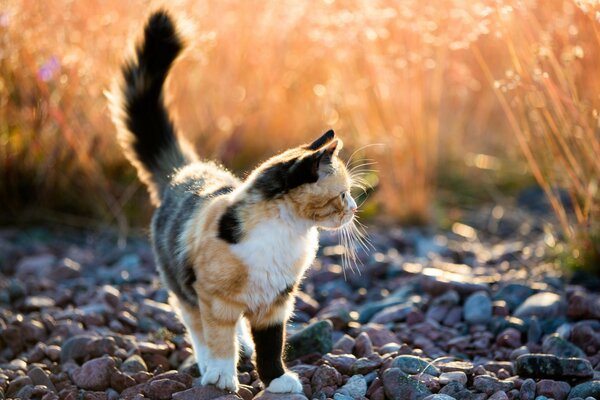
(343, 195)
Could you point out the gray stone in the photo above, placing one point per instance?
(399, 386)
(586, 389)
(439, 396)
(514, 294)
(315, 338)
(39, 377)
(356, 387)
(414, 365)
(490, 385)
(75, 348)
(453, 376)
(546, 305)
(527, 391)
(560, 347)
(478, 308)
(134, 364)
(94, 374)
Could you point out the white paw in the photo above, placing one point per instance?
(286, 383)
(221, 373)
(201, 357)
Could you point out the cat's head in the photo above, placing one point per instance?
(312, 181)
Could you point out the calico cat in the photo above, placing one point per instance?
(231, 251)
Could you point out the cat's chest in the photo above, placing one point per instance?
(276, 256)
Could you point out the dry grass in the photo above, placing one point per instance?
(551, 97)
(262, 76)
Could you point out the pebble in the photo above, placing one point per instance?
(490, 385)
(554, 389)
(527, 391)
(586, 389)
(478, 308)
(363, 346)
(544, 305)
(556, 345)
(314, 338)
(356, 387)
(399, 386)
(453, 376)
(134, 364)
(414, 365)
(94, 374)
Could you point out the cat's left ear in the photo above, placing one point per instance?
(322, 141)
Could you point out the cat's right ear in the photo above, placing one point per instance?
(322, 141)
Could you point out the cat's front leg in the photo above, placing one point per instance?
(269, 341)
(219, 326)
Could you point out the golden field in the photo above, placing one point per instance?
(455, 101)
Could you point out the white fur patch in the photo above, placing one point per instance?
(286, 383)
(200, 350)
(221, 373)
(244, 339)
(271, 250)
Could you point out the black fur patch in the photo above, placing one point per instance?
(230, 227)
(323, 140)
(147, 119)
(280, 178)
(269, 350)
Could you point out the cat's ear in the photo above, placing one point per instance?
(308, 169)
(322, 141)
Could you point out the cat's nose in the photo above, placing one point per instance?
(354, 209)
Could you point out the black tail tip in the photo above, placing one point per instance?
(161, 30)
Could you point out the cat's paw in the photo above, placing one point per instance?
(286, 383)
(201, 357)
(222, 374)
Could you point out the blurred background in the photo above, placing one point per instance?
(458, 104)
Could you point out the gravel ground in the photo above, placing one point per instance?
(469, 313)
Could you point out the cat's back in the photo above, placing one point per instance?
(190, 190)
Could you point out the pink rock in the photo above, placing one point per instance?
(554, 389)
(208, 392)
(363, 345)
(510, 337)
(163, 389)
(94, 374)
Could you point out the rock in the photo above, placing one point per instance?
(539, 366)
(579, 368)
(35, 266)
(325, 376)
(313, 338)
(134, 364)
(365, 365)
(342, 362)
(435, 283)
(490, 385)
(399, 386)
(514, 294)
(454, 376)
(66, 269)
(389, 348)
(39, 377)
(464, 366)
(306, 304)
(510, 337)
(549, 366)
(264, 395)
(395, 313)
(586, 389)
(498, 396)
(439, 396)
(414, 365)
(355, 388)
(99, 347)
(586, 335)
(345, 344)
(33, 303)
(163, 389)
(208, 392)
(478, 308)
(120, 381)
(17, 384)
(379, 335)
(545, 305)
(560, 347)
(527, 391)
(94, 374)
(553, 389)
(363, 346)
(75, 348)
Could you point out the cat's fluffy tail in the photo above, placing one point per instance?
(145, 130)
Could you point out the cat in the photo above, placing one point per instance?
(231, 252)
